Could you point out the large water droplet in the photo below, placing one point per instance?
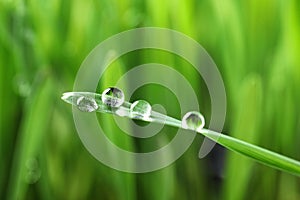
(86, 104)
(113, 97)
(140, 110)
(193, 120)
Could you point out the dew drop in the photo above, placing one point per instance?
(140, 110)
(113, 97)
(193, 120)
(86, 104)
(22, 85)
(33, 171)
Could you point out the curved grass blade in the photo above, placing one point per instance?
(257, 153)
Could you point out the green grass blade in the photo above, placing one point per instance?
(259, 154)
(33, 132)
(239, 169)
(123, 183)
(262, 155)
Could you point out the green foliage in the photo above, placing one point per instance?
(42, 44)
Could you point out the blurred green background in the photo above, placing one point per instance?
(255, 44)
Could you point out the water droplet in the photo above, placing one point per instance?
(193, 120)
(86, 104)
(33, 171)
(113, 97)
(140, 110)
(22, 85)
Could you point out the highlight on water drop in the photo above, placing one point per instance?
(140, 109)
(86, 104)
(113, 97)
(193, 120)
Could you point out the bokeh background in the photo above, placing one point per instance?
(255, 44)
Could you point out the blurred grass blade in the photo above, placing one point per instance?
(29, 143)
(239, 168)
(124, 183)
(259, 154)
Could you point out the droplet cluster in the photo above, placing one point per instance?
(112, 100)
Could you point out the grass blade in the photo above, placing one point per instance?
(239, 169)
(29, 140)
(259, 154)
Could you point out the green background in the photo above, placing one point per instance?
(255, 44)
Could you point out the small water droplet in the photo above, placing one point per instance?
(193, 120)
(22, 85)
(140, 110)
(113, 97)
(86, 104)
(33, 171)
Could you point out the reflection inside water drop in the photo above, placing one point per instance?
(86, 104)
(140, 110)
(113, 97)
(193, 120)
